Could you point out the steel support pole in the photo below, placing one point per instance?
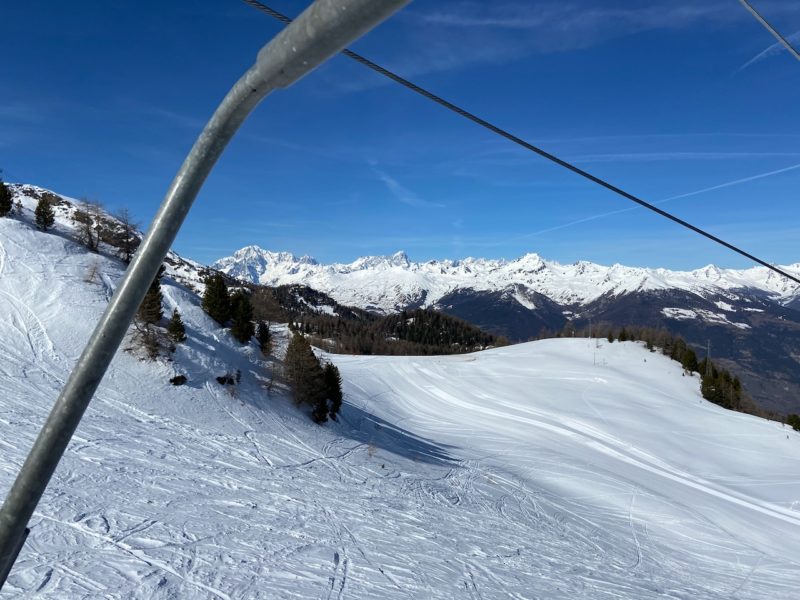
(321, 31)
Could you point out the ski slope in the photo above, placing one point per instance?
(555, 469)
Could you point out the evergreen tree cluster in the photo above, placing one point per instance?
(793, 421)
(312, 384)
(216, 299)
(355, 331)
(224, 307)
(153, 338)
(417, 332)
(718, 385)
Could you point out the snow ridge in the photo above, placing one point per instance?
(389, 283)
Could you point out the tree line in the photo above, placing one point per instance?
(416, 332)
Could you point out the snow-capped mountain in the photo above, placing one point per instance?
(553, 469)
(391, 283)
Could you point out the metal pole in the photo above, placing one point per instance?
(321, 31)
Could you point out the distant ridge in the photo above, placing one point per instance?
(390, 283)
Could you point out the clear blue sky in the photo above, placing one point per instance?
(103, 99)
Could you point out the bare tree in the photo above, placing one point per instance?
(88, 217)
(126, 238)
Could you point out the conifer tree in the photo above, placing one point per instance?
(216, 300)
(6, 203)
(264, 338)
(306, 377)
(175, 329)
(45, 216)
(242, 327)
(333, 389)
(150, 311)
(689, 360)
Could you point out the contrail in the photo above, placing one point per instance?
(771, 50)
(686, 195)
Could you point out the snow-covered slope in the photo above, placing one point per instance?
(388, 283)
(554, 469)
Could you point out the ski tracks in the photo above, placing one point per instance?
(638, 560)
(22, 321)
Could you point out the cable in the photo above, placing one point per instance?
(770, 28)
(528, 146)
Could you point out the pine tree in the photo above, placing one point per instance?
(150, 310)
(264, 338)
(45, 216)
(175, 329)
(242, 327)
(333, 389)
(689, 360)
(216, 300)
(6, 204)
(306, 377)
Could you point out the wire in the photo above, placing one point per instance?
(528, 146)
(770, 28)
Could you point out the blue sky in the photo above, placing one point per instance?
(103, 100)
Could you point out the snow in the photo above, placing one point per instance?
(725, 306)
(386, 283)
(683, 314)
(554, 469)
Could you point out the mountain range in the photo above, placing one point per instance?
(749, 317)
